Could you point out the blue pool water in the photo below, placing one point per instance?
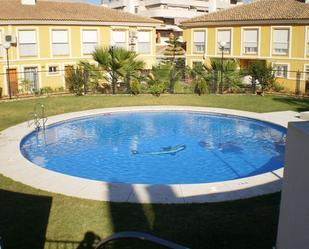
(158, 147)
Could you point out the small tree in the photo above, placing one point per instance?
(199, 77)
(226, 74)
(77, 80)
(174, 48)
(133, 73)
(158, 78)
(262, 73)
(92, 76)
(116, 62)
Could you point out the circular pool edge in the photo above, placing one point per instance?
(14, 165)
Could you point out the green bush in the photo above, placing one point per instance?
(277, 87)
(46, 90)
(135, 87)
(76, 80)
(201, 87)
(182, 87)
(263, 73)
(60, 89)
(157, 89)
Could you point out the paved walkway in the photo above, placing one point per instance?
(15, 166)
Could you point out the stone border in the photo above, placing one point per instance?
(15, 166)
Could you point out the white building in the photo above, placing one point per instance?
(171, 12)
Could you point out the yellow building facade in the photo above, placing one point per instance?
(281, 43)
(44, 50)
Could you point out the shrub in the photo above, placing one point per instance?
(263, 73)
(60, 89)
(76, 81)
(201, 87)
(135, 87)
(157, 89)
(277, 87)
(46, 90)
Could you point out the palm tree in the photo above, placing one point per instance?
(132, 70)
(116, 62)
(200, 77)
(92, 74)
(225, 73)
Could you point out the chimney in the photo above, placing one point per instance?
(28, 2)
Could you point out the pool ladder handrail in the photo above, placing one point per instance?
(38, 118)
(140, 236)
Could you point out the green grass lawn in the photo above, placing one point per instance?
(31, 218)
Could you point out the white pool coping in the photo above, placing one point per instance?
(14, 165)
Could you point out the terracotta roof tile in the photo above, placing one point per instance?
(258, 11)
(66, 11)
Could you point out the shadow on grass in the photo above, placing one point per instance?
(23, 220)
(243, 224)
(89, 241)
(299, 104)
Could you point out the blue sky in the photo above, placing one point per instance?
(93, 1)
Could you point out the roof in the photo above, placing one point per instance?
(258, 12)
(13, 10)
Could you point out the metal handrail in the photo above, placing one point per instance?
(38, 117)
(141, 236)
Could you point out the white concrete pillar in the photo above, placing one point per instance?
(293, 230)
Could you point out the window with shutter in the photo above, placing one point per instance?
(60, 42)
(307, 42)
(250, 42)
(119, 38)
(281, 41)
(199, 38)
(90, 41)
(27, 43)
(1, 46)
(143, 42)
(224, 36)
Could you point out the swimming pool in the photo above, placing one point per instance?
(166, 147)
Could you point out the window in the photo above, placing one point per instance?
(90, 41)
(199, 41)
(307, 42)
(136, 9)
(31, 77)
(281, 41)
(224, 36)
(143, 39)
(281, 70)
(27, 43)
(60, 42)
(53, 70)
(119, 37)
(250, 41)
(1, 47)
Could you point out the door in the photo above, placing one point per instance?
(31, 77)
(67, 72)
(13, 80)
